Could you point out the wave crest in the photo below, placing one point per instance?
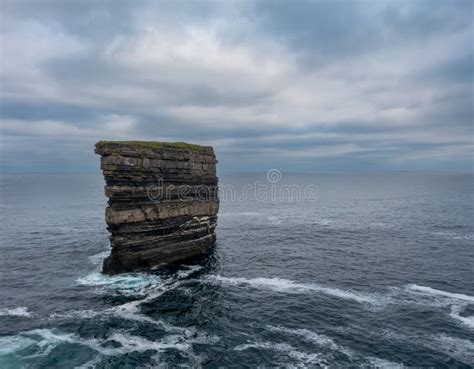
(286, 349)
(432, 291)
(19, 311)
(289, 286)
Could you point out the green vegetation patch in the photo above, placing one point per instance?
(159, 145)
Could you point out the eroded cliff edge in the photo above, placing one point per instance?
(163, 202)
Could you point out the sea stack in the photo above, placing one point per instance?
(163, 202)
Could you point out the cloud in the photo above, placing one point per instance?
(305, 84)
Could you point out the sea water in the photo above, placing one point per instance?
(372, 269)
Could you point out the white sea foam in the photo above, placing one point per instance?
(382, 225)
(128, 311)
(44, 340)
(122, 280)
(314, 337)
(434, 292)
(427, 296)
(188, 271)
(131, 307)
(89, 364)
(11, 344)
(158, 287)
(97, 259)
(456, 314)
(288, 350)
(161, 324)
(128, 343)
(133, 316)
(457, 348)
(134, 284)
(130, 284)
(19, 311)
(306, 333)
(376, 362)
(117, 311)
(148, 285)
(327, 342)
(83, 314)
(245, 214)
(323, 222)
(288, 286)
(454, 235)
(131, 343)
(274, 220)
(152, 293)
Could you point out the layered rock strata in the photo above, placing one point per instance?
(163, 202)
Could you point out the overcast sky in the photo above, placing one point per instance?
(294, 85)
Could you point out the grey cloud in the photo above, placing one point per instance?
(458, 69)
(318, 31)
(102, 72)
(306, 85)
(87, 19)
(38, 110)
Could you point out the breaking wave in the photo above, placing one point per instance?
(457, 301)
(432, 291)
(153, 291)
(11, 344)
(456, 314)
(382, 363)
(458, 348)
(41, 342)
(273, 220)
(288, 350)
(129, 284)
(146, 285)
(188, 271)
(288, 286)
(19, 311)
(314, 337)
(436, 298)
(454, 235)
(319, 358)
(83, 314)
(97, 259)
(329, 343)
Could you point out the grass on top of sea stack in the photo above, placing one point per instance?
(159, 145)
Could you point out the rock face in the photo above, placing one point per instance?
(163, 202)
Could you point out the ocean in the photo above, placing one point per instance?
(363, 270)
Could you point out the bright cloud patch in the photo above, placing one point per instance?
(313, 85)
